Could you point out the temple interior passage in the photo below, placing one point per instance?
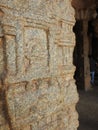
(87, 106)
(86, 32)
(85, 29)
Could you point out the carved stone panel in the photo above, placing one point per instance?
(35, 51)
(35, 101)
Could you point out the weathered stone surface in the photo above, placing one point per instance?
(36, 51)
(29, 102)
(1, 57)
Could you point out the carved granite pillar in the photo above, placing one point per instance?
(39, 88)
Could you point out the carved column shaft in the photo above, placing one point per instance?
(40, 91)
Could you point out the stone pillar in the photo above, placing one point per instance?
(39, 89)
(84, 15)
(86, 58)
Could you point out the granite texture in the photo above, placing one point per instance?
(37, 88)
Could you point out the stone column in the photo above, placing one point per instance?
(40, 91)
(84, 15)
(86, 58)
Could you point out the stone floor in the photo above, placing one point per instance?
(87, 108)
